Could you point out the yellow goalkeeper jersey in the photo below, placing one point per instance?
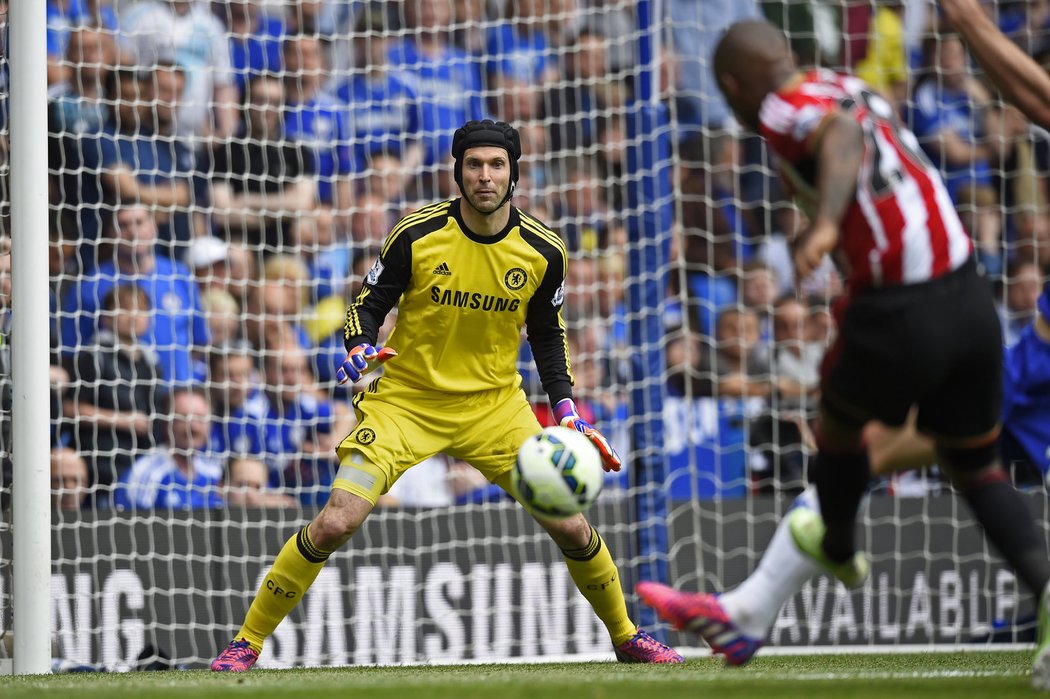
(463, 300)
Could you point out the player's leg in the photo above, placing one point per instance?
(888, 450)
(370, 459)
(592, 569)
(841, 474)
(977, 475)
(296, 567)
(594, 572)
(1008, 524)
(784, 568)
(590, 564)
(892, 349)
(736, 622)
(863, 378)
(301, 559)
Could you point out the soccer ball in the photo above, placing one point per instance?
(558, 473)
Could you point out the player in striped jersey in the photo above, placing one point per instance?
(466, 275)
(917, 327)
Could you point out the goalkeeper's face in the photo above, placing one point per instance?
(486, 177)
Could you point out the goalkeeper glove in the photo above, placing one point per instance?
(361, 360)
(567, 416)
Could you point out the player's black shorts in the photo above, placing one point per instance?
(936, 344)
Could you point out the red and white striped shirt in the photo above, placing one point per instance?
(901, 227)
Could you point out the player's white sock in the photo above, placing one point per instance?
(754, 604)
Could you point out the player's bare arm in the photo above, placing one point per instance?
(839, 151)
(1022, 81)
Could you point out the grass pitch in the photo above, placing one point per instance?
(925, 676)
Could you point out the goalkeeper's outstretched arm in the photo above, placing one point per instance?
(383, 286)
(546, 333)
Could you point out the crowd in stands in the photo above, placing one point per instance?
(223, 173)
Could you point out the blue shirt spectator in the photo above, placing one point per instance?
(384, 112)
(141, 157)
(946, 119)
(77, 114)
(158, 161)
(301, 428)
(255, 42)
(178, 476)
(321, 125)
(329, 271)
(939, 110)
(240, 431)
(521, 51)
(178, 324)
(448, 82)
(64, 16)
(288, 428)
(1026, 391)
(328, 353)
(58, 26)
(317, 120)
(240, 407)
(156, 481)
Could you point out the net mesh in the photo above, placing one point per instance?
(222, 175)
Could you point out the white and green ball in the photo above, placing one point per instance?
(558, 473)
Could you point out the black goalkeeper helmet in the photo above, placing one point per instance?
(487, 133)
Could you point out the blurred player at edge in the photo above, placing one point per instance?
(747, 612)
(469, 273)
(918, 335)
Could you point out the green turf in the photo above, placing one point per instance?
(959, 676)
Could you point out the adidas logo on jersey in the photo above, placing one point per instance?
(443, 269)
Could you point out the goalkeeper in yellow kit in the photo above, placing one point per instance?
(467, 275)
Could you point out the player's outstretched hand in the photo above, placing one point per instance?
(567, 416)
(361, 360)
(810, 247)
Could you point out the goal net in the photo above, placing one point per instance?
(222, 178)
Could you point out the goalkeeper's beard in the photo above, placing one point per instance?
(506, 197)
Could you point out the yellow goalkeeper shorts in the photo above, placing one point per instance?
(398, 427)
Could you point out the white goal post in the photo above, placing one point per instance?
(31, 516)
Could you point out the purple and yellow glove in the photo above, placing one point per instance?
(361, 360)
(567, 416)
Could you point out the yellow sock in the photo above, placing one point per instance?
(596, 577)
(293, 572)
